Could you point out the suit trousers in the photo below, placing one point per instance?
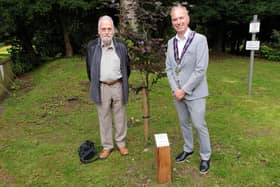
(112, 109)
(194, 110)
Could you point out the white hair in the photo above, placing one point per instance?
(105, 18)
(179, 6)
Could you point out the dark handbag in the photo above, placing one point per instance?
(87, 152)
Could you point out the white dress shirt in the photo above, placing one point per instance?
(110, 64)
(182, 41)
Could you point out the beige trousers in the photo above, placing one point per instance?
(112, 108)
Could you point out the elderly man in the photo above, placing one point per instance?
(186, 65)
(108, 71)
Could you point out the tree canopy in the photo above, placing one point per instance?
(49, 28)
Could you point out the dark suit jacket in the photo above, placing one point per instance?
(93, 59)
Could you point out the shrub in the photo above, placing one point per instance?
(275, 39)
(22, 61)
(270, 53)
(48, 42)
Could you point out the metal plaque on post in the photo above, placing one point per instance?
(254, 27)
(252, 45)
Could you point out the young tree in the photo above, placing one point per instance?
(146, 45)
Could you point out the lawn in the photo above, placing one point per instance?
(48, 115)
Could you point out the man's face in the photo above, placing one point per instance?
(106, 31)
(180, 20)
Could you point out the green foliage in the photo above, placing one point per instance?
(275, 39)
(21, 59)
(225, 22)
(40, 28)
(47, 41)
(40, 25)
(270, 53)
(4, 52)
(147, 45)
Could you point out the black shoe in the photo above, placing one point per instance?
(183, 156)
(204, 166)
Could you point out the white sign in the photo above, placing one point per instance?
(252, 45)
(2, 71)
(254, 27)
(161, 140)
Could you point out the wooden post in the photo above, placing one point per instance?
(146, 113)
(163, 159)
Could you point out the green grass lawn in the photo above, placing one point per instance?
(49, 114)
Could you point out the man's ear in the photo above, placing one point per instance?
(188, 19)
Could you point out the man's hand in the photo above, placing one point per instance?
(179, 94)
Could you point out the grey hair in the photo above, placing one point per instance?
(178, 5)
(105, 18)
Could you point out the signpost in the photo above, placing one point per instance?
(2, 71)
(252, 45)
(163, 158)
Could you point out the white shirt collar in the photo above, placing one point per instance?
(186, 35)
(111, 46)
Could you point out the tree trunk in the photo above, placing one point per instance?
(146, 112)
(67, 44)
(66, 32)
(25, 38)
(219, 35)
(128, 15)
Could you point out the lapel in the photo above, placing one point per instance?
(118, 51)
(183, 61)
(171, 51)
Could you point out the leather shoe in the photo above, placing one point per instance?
(204, 166)
(104, 154)
(183, 156)
(123, 151)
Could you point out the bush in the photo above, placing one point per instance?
(48, 42)
(270, 53)
(21, 61)
(275, 39)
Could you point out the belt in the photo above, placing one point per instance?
(112, 82)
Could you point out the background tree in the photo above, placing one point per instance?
(52, 28)
(46, 28)
(18, 18)
(226, 22)
(67, 17)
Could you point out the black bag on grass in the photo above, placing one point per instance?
(87, 152)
